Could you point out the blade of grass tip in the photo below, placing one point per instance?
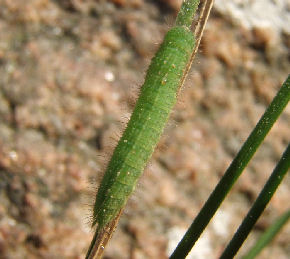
(234, 171)
(259, 205)
(268, 235)
(203, 17)
(204, 14)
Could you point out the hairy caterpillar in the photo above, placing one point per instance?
(165, 76)
(152, 110)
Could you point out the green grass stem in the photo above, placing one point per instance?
(234, 171)
(259, 205)
(268, 235)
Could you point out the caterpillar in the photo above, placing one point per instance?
(158, 95)
(157, 98)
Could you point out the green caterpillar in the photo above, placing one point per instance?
(157, 98)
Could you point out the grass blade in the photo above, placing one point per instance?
(268, 235)
(234, 171)
(259, 205)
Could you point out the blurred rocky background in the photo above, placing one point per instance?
(70, 71)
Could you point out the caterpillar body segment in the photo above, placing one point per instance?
(157, 98)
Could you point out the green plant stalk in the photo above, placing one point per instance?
(268, 235)
(234, 171)
(259, 205)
